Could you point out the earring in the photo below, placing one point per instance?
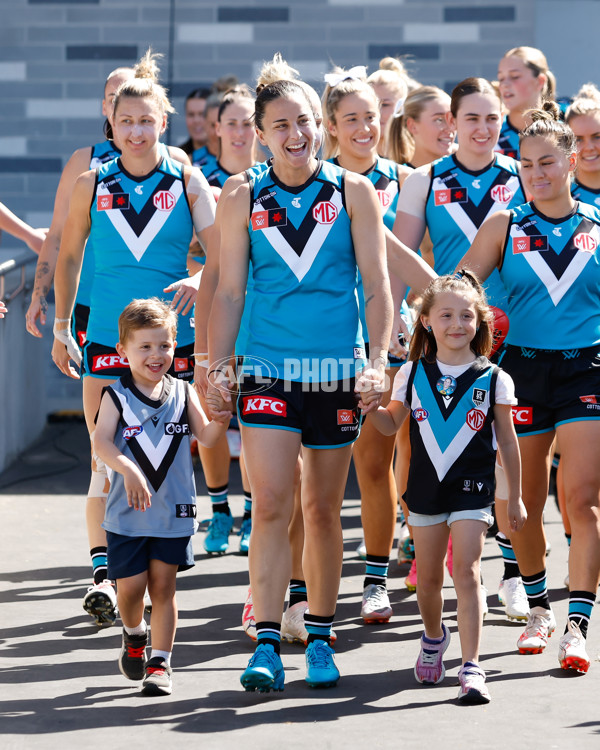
(428, 329)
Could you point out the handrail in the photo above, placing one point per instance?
(13, 264)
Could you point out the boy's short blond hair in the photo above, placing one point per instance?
(146, 313)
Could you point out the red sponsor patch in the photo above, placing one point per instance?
(264, 405)
(273, 217)
(420, 414)
(584, 241)
(325, 212)
(589, 399)
(345, 416)
(450, 195)
(384, 198)
(81, 338)
(501, 194)
(113, 200)
(475, 419)
(520, 245)
(522, 414)
(164, 200)
(107, 361)
(181, 364)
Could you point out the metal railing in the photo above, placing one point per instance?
(14, 264)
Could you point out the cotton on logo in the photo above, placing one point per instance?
(585, 242)
(345, 416)
(258, 405)
(501, 194)
(522, 414)
(106, 361)
(325, 212)
(475, 419)
(164, 200)
(384, 198)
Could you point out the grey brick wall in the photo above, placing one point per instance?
(55, 55)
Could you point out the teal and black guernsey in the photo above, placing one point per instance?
(452, 441)
(155, 435)
(508, 142)
(551, 270)
(585, 194)
(459, 201)
(303, 316)
(141, 229)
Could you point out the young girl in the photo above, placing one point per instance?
(460, 405)
(583, 117)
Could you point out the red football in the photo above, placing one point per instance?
(500, 327)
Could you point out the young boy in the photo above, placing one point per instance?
(142, 434)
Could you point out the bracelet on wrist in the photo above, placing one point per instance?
(216, 369)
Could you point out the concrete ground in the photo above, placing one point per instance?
(60, 685)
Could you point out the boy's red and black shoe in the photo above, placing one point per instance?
(132, 659)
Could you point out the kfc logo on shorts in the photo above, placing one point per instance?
(585, 242)
(181, 364)
(475, 419)
(81, 338)
(130, 432)
(325, 212)
(589, 399)
(501, 194)
(264, 405)
(345, 416)
(384, 198)
(522, 415)
(107, 362)
(420, 414)
(164, 200)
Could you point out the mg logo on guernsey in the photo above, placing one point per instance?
(106, 361)
(164, 200)
(264, 405)
(475, 419)
(501, 194)
(384, 198)
(585, 242)
(522, 414)
(325, 212)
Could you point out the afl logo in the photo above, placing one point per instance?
(130, 432)
(475, 419)
(585, 242)
(384, 198)
(501, 194)
(164, 200)
(420, 414)
(325, 212)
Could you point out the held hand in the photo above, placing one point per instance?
(370, 385)
(138, 494)
(38, 308)
(218, 396)
(517, 515)
(185, 293)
